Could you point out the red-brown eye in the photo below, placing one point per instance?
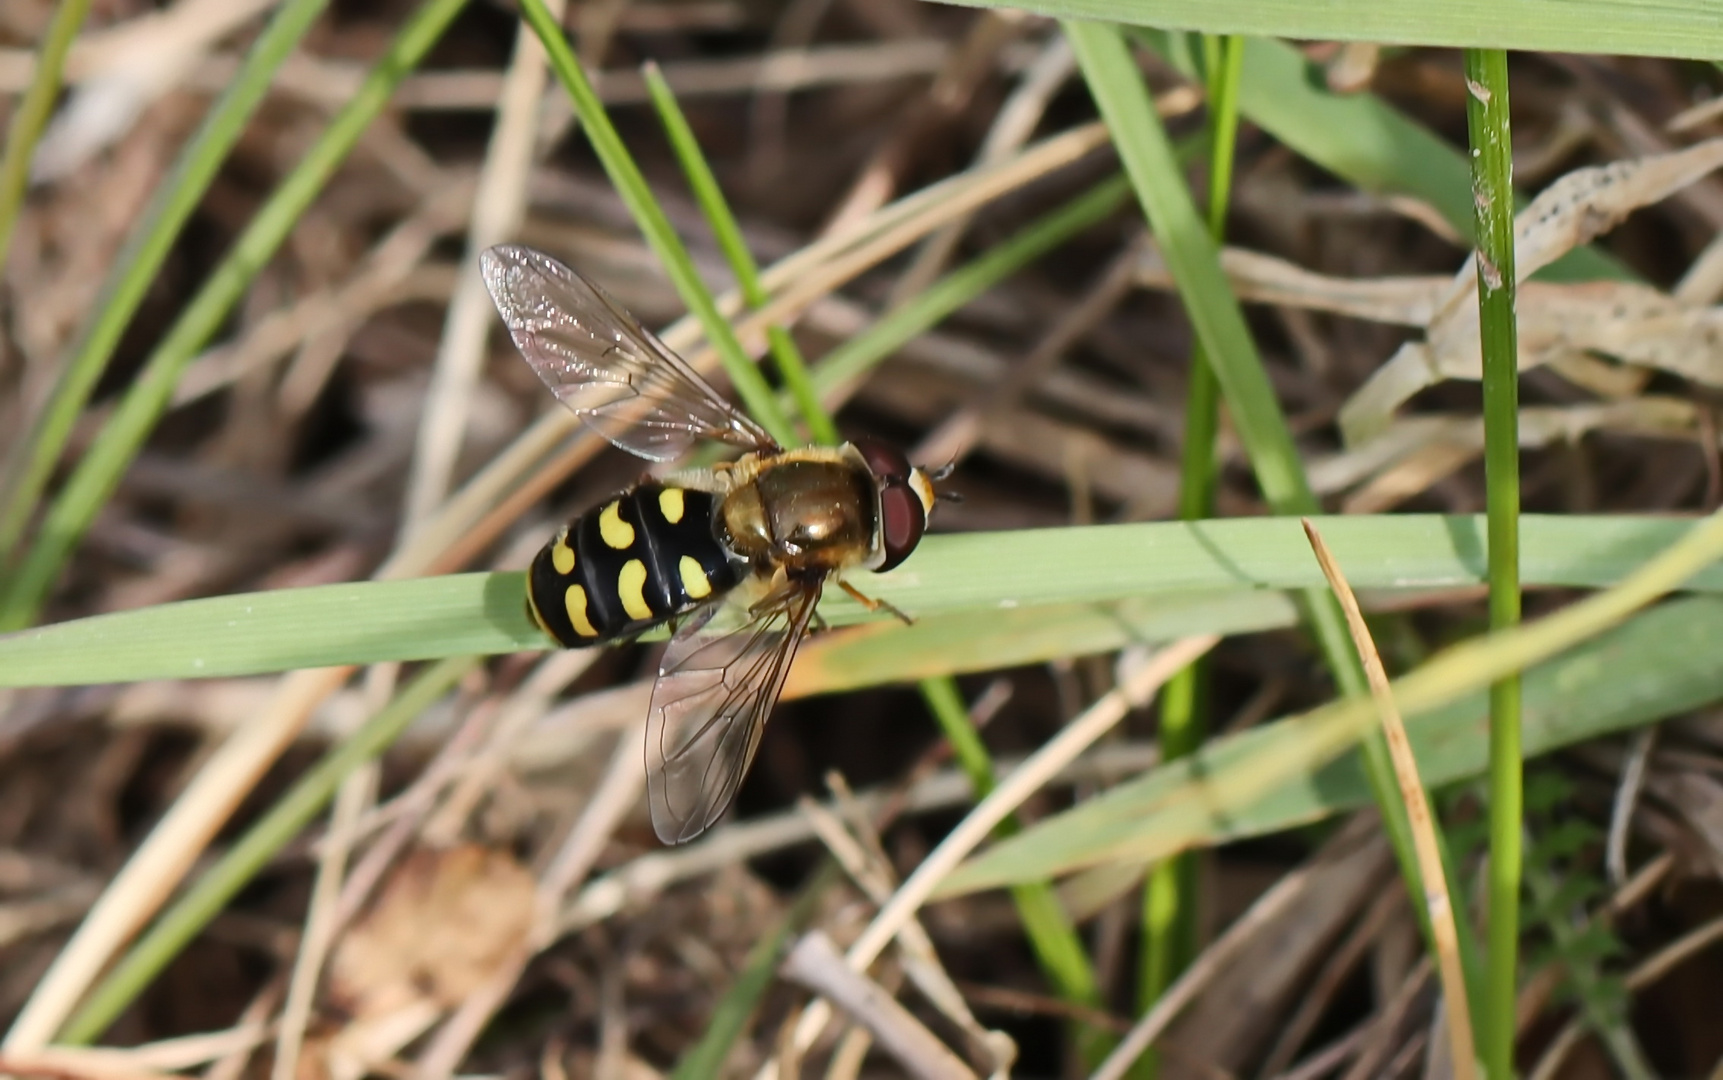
(886, 462)
(902, 520)
(902, 514)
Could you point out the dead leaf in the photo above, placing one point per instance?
(444, 923)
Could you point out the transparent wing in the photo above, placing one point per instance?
(710, 704)
(611, 371)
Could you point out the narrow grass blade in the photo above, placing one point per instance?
(1362, 139)
(729, 235)
(1192, 793)
(1170, 895)
(1492, 180)
(1193, 258)
(626, 177)
(429, 618)
(1683, 28)
(109, 455)
(1580, 696)
(31, 115)
(137, 263)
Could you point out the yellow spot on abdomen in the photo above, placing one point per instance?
(670, 503)
(615, 532)
(537, 616)
(631, 588)
(575, 600)
(561, 555)
(694, 580)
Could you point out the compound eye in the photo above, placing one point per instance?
(902, 520)
(885, 461)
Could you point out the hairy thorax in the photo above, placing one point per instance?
(807, 511)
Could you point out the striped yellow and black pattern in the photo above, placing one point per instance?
(629, 564)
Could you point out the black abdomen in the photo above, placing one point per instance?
(629, 564)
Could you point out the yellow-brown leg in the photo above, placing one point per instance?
(873, 604)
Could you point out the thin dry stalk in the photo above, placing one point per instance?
(960, 433)
(1153, 1023)
(161, 862)
(1327, 1059)
(1012, 126)
(157, 1059)
(498, 207)
(814, 962)
(1327, 983)
(1136, 686)
(1438, 907)
(862, 858)
(617, 794)
(321, 919)
(1626, 799)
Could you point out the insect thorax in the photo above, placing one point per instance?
(807, 514)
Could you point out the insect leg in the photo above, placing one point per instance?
(873, 603)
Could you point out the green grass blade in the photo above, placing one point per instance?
(625, 176)
(1492, 172)
(1058, 948)
(1194, 260)
(1659, 664)
(1170, 896)
(136, 265)
(1682, 28)
(760, 970)
(1362, 139)
(1051, 936)
(954, 574)
(729, 235)
(1206, 786)
(109, 455)
(234, 870)
(31, 116)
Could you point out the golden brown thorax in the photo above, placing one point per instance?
(808, 511)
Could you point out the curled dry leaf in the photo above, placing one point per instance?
(1559, 320)
(1634, 323)
(1418, 451)
(443, 925)
(1559, 324)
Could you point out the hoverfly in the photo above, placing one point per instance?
(767, 529)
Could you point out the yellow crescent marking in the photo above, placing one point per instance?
(670, 504)
(617, 533)
(631, 587)
(532, 609)
(562, 556)
(694, 580)
(575, 600)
